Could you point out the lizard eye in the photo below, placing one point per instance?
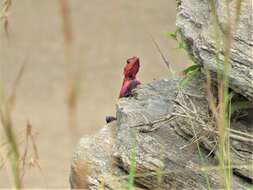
(128, 61)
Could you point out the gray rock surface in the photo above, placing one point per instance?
(93, 166)
(160, 123)
(157, 131)
(195, 19)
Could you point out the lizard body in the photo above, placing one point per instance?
(130, 81)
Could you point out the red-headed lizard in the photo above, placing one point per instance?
(130, 81)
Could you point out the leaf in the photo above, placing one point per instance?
(182, 45)
(188, 77)
(191, 68)
(172, 35)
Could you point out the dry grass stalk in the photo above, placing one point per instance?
(74, 75)
(167, 63)
(5, 113)
(12, 97)
(6, 108)
(3, 15)
(210, 97)
(223, 119)
(72, 100)
(67, 25)
(33, 159)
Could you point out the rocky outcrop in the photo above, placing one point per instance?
(165, 135)
(196, 21)
(93, 165)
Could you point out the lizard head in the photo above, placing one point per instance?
(132, 67)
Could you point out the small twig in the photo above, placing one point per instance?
(162, 55)
(194, 140)
(213, 149)
(240, 155)
(240, 133)
(233, 136)
(12, 97)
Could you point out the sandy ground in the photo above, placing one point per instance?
(106, 33)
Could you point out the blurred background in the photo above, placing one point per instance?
(105, 34)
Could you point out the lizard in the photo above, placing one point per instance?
(130, 81)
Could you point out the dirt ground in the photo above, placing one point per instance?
(106, 33)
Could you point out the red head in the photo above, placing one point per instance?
(132, 67)
(130, 71)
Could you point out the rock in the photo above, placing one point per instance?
(154, 129)
(196, 22)
(156, 138)
(93, 166)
